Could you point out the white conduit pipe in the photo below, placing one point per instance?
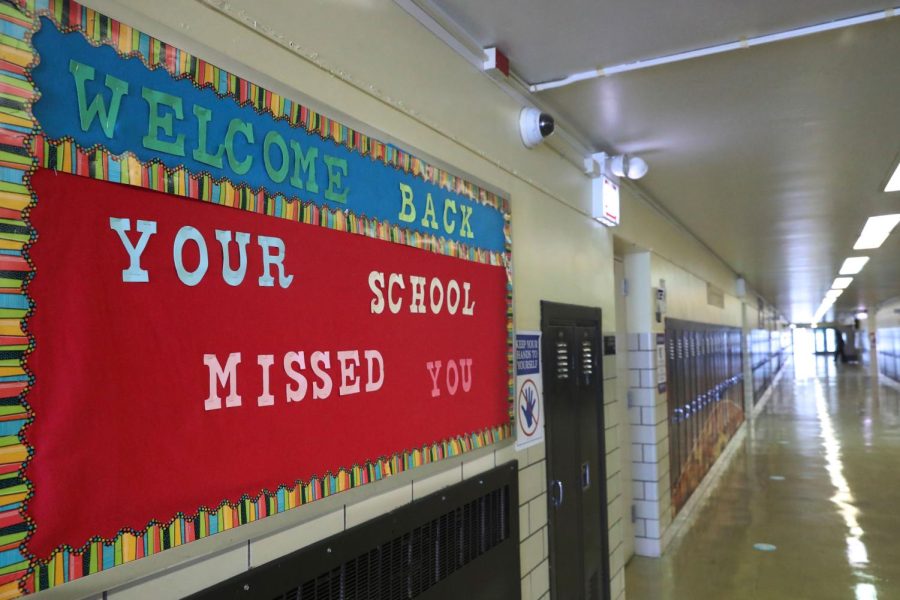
(690, 54)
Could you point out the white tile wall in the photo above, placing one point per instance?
(187, 579)
(376, 506)
(648, 413)
(286, 541)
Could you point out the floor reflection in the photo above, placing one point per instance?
(831, 443)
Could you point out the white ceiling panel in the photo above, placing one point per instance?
(774, 155)
(549, 40)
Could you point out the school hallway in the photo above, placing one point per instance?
(808, 507)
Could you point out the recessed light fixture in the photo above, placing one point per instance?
(833, 294)
(854, 265)
(876, 230)
(862, 315)
(841, 283)
(894, 184)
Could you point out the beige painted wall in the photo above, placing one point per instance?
(886, 315)
(370, 64)
(686, 297)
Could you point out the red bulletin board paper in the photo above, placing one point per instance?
(121, 435)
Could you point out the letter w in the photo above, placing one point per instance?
(97, 108)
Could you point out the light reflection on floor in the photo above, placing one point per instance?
(834, 519)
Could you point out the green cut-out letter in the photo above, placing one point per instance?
(204, 116)
(430, 218)
(407, 208)
(235, 127)
(273, 138)
(337, 168)
(97, 108)
(159, 122)
(304, 163)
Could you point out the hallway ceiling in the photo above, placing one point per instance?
(774, 156)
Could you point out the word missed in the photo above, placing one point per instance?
(295, 367)
(272, 254)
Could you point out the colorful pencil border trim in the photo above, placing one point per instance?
(23, 148)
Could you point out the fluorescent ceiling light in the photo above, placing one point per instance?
(833, 294)
(854, 265)
(894, 184)
(876, 230)
(841, 283)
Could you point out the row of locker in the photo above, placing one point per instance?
(768, 352)
(705, 396)
(888, 345)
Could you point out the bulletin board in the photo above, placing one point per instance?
(217, 304)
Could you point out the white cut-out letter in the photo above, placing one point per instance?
(184, 234)
(417, 303)
(300, 393)
(373, 356)
(319, 361)
(266, 279)
(222, 376)
(134, 273)
(376, 284)
(349, 360)
(233, 277)
(265, 398)
(395, 280)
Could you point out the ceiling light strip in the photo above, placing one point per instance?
(876, 231)
(718, 49)
(853, 265)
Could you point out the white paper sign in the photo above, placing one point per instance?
(529, 390)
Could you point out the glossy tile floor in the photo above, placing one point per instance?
(834, 518)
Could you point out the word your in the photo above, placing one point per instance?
(232, 276)
(295, 364)
(438, 299)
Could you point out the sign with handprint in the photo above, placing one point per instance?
(529, 390)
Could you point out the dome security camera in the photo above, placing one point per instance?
(534, 126)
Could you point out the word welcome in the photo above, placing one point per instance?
(294, 364)
(284, 160)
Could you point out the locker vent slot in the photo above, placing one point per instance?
(562, 360)
(587, 357)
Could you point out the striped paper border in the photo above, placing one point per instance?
(23, 148)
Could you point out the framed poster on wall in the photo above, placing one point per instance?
(218, 304)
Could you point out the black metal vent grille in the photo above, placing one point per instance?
(408, 565)
(463, 539)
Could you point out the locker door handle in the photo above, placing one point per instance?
(556, 499)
